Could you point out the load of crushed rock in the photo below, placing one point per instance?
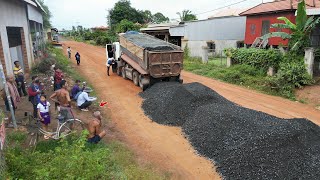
(243, 143)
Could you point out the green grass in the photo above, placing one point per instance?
(74, 158)
(243, 75)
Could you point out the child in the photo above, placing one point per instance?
(44, 113)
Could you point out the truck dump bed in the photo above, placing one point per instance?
(150, 43)
(158, 58)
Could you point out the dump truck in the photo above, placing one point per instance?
(145, 59)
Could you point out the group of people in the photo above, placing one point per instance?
(77, 55)
(61, 97)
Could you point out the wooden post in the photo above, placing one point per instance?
(205, 54)
(229, 61)
(8, 96)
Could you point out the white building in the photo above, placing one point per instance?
(223, 30)
(20, 28)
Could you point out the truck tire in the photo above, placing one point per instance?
(123, 73)
(141, 84)
(135, 78)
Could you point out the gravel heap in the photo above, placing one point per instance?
(149, 42)
(243, 143)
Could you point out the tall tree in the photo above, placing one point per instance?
(186, 15)
(126, 25)
(123, 10)
(46, 15)
(147, 16)
(159, 18)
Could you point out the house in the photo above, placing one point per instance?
(261, 17)
(223, 30)
(100, 28)
(21, 32)
(161, 31)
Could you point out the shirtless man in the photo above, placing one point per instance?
(62, 97)
(94, 128)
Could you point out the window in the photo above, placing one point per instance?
(265, 27)
(253, 29)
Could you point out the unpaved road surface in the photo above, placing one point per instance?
(163, 146)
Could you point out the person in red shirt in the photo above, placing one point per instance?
(58, 77)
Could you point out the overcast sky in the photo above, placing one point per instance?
(91, 13)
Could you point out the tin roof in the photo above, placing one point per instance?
(227, 12)
(280, 5)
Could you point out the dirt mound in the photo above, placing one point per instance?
(243, 143)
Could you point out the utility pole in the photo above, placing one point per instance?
(8, 96)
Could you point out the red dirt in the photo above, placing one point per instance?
(309, 95)
(164, 146)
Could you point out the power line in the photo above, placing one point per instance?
(217, 8)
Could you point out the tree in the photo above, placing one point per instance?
(301, 30)
(126, 25)
(123, 10)
(46, 15)
(147, 16)
(159, 18)
(187, 15)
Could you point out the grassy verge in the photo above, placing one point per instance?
(243, 75)
(72, 158)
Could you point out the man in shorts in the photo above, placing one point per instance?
(62, 97)
(94, 128)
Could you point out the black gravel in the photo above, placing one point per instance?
(149, 42)
(243, 143)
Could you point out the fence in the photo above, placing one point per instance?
(217, 58)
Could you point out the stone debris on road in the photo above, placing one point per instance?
(243, 143)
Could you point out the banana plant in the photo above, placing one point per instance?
(301, 29)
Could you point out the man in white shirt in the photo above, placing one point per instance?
(84, 101)
(69, 52)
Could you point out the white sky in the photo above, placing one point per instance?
(91, 13)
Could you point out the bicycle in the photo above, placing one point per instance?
(64, 128)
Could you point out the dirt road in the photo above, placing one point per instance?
(165, 146)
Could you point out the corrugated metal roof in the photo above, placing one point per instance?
(227, 12)
(280, 5)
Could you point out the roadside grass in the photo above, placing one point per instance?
(72, 158)
(243, 75)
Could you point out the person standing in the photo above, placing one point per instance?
(34, 92)
(14, 95)
(77, 56)
(19, 77)
(94, 128)
(69, 52)
(44, 113)
(110, 62)
(62, 97)
(57, 78)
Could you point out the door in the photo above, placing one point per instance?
(265, 27)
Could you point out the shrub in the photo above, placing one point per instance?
(44, 65)
(259, 58)
(291, 74)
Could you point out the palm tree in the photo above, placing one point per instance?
(187, 15)
(301, 30)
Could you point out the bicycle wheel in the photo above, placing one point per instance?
(72, 127)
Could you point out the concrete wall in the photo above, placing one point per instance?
(195, 47)
(34, 14)
(13, 14)
(224, 32)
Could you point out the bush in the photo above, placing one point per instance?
(259, 58)
(291, 74)
(44, 65)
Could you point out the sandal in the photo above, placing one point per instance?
(46, 137)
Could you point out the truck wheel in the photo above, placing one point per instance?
(141, 84)
(135, 78)
(123, 73)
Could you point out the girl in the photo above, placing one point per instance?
(44, 113)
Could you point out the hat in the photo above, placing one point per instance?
(87, 89)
